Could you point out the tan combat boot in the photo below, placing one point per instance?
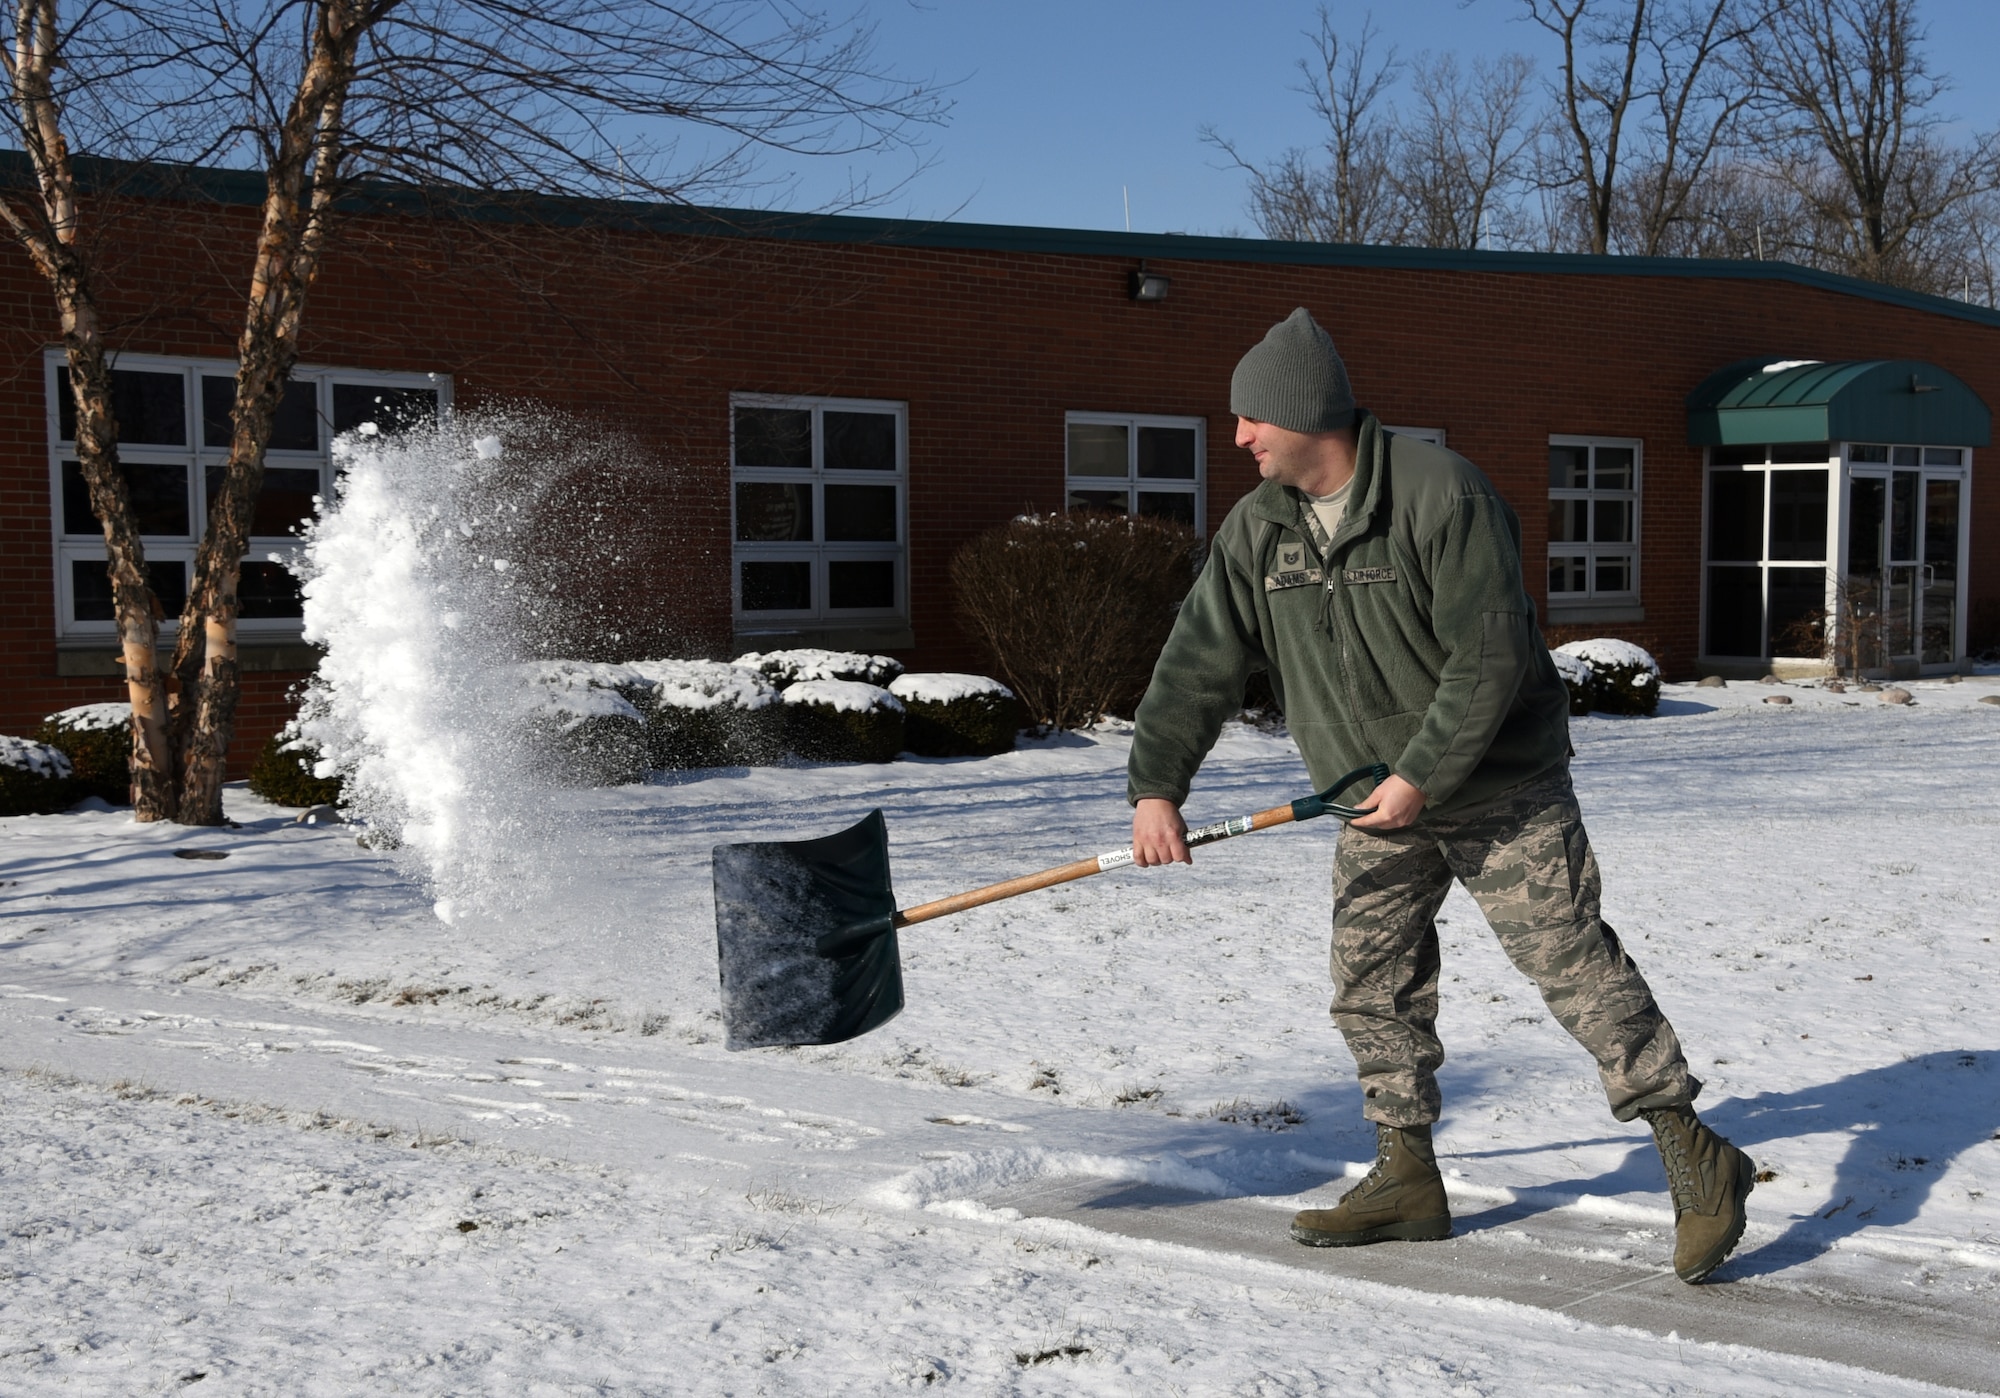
(1402, 1198)
(1709, 1179)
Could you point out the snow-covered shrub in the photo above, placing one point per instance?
(704, 713)
(283, 773)
(586, 724)
(97, 740)
(34, 778)
(948, 715)
(843, 721)
(785, 668)
(1578, 679)
(1625, 679)
(1075, 607)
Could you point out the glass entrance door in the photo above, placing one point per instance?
(1939, 571)
(1899, 596)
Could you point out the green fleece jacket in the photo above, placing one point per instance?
(1410, 641)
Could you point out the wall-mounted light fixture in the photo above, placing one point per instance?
(1149, 286)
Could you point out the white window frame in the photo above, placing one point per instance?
(197, 456)
(1591, 552)
(819, 551)
(1131, 482)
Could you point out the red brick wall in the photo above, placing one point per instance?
(988, 348)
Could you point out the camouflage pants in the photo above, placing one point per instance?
(1525, 859)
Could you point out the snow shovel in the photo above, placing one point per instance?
(806, 929)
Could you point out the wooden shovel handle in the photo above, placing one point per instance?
(1084, 868)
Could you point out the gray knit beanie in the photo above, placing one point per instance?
(1293, 378)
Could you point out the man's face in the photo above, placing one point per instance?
(1283, 455)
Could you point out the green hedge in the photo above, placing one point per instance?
(97, 739)
(949, 715)
(1624, 678)
(784, 668)
(843, 721)
(1577, 678)
(283, 776)
(35, 779)
(591, 749)
(704, 713)
(584, 726)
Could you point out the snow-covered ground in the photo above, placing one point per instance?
(267, 1121)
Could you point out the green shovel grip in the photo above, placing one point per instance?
(1322, 803)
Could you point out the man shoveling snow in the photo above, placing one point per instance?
(1377, 579)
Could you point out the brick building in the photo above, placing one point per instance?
(1699, 452)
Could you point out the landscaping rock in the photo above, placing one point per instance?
(97, 740)
(35, 779)
(1777, 698)
(705, 713)
(1896, 696)
(1711, 682)
(843, 721)
(1770, 679)
(951, 715)
(1989, 698)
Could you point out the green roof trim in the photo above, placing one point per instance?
(1907, 401)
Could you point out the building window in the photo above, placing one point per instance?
(1137, 465)
(818, 507)
(1593, 520)
(173, 420)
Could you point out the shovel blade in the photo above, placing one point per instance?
(773, 901)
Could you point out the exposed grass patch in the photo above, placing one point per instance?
(1266, 1116)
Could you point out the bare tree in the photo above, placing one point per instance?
(1646, 95)
(1348, 196)
(1885, 195)
(331, 98)
(1735, 210)
(1457, 161)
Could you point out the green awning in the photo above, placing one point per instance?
(1858, 400)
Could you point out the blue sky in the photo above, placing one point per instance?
(1061, 106)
